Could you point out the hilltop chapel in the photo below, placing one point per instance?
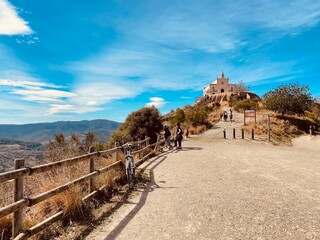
(220, 85)
(221, 90)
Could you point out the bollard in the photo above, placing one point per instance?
(252, 133)
(234, 133)
(224, 133)
(242, 133)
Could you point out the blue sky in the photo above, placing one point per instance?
(75, 60)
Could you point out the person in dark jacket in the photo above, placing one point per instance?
(178, 137)
(167, 135)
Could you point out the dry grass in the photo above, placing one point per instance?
(5, 227)
(214, 116)
(70, 201)
(283, 128)
(197, 129)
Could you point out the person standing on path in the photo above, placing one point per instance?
(167, 135)
(225, 116)
(178, 137)
(230, 116)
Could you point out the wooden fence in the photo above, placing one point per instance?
(22, 171)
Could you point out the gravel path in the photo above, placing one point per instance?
(225, 189)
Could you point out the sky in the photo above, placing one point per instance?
(102, 59)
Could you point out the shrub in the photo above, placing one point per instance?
(179, 117)
(144, 122)
(289, 99)
(245, 104)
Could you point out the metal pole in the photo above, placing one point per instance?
(234, 133)
(252, 133)
(242, 133)
(224, 133)
(255, 116)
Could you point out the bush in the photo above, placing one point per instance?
(289, 99)
(179, 117)
(144, 122)
(245, 104)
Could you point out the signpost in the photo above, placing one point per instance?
(249, 113)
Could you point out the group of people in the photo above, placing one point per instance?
(177, 137)
(224, 116)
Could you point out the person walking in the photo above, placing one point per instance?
(225, 116)
(230, 116)
(167, 135)
(178, 137)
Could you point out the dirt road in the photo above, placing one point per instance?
(225, 189)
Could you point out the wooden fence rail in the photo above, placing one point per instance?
(21, 172)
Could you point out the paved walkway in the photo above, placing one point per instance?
(224, 189)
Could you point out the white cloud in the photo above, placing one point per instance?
(69, 108)
(287, 15)
(217, 26)
(43, 95)
(97, 93)
(10, 22)
(25, 84)
(157, 102)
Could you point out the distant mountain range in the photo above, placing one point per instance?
(42, 132)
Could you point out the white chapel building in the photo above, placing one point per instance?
(220, 85)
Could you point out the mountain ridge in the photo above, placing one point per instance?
(42, 132)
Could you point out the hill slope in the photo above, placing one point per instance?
(40, 132)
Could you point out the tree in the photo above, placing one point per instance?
(289, 99)
(144, 122)
(179, 117)
(241, 86)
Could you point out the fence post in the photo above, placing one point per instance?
(147, 141)
(17, 220)
(269, 129)
(242, 133)
(91, 169)
(139, 148)
(252, 132)
(224, 133)
(234, 133)
(310, 130)
(116, 145)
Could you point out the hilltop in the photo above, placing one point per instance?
(43, 132)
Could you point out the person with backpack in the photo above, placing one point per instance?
(167, 135)
(178, 137)
(225, 116)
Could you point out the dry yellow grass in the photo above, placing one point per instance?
(197, 129)
(70, 201)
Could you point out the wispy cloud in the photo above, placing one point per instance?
(157, 102)
(216, 26)
(69, 108)
(43, 95)
(10, 22)
(25, 84)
